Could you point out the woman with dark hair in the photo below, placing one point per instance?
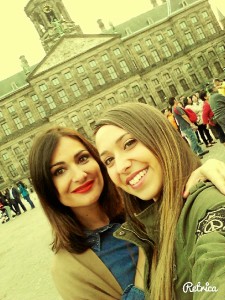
(84, 209)
(183, 242)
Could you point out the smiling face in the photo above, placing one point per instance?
(76, 175)
(130, 164)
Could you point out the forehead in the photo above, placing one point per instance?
(66, 146)
(108, 135)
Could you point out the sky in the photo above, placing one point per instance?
(19, 36)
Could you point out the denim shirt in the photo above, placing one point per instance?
(119, 256)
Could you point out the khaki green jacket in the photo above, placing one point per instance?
(199, 270)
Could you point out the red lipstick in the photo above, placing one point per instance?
(84, 188)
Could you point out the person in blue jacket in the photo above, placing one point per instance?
(25, 194)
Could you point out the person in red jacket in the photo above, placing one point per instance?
(207, 117)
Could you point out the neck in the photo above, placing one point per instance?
(92, 217)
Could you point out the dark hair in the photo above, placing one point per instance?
(68, 231)
(185, 101)
(171, 101)
(202, 95)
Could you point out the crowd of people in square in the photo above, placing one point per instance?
(200, 118)
(11, 203)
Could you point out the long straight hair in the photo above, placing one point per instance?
(148, 125)
(68, 232)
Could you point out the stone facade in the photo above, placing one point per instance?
(82, 75)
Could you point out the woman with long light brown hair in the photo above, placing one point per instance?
(183, 243)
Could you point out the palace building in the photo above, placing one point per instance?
(175, 48)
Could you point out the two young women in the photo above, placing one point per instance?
(85, 209)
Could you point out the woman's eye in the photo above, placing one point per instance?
(129, 143)
(108, 161)
(83, 158)
(58, 172)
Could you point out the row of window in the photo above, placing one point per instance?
(55, 81)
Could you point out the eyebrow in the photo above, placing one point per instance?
(117, 141)
(62, 162)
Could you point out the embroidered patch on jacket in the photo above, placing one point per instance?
(214, 220)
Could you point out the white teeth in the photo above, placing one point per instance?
(138, 177)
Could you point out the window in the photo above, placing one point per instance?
(177, 46)
(188, 66)
(99, 106)
(88, 84)
(221, 48)
(87, 113)
(189, 38)
(1, 178)
(144, 61)
(117, 51)
(41, 111)
(207, 72)
(43, 87)
(211, 53)
(92, 63)
(161, 95)
(205, 14)
(29, 117)
(128, 31)
(167, 76)
(124, 94)
(201, 59)
(194, 20)
(18, 123)
(170, 32)
(24, 165)
(142, 100)
(194, 79)
(159, 37)
(28, 144)
(68, 75)
(80, 70)
(124, 66)
(105, 57)
(177, 71)
(55, 81)
(17, 150)
(173, 90)
(23, 103)
(74, 118)
(137, 48)
(63, 96)
(50, 102)
(111, 100)
(11, 109)
(166, 51)
(100, 78)
(5, 156)
(183, 25)
(155, 56)
(136, 89)
(148, 42)
(112, 72)
(184, 85)
(218, 67)
(200, 33)
(12, 170)
(155, 81)
(211, 28)
(75, 90)
(34, 97)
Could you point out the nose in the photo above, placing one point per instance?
(122, 164)
(78, 174)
